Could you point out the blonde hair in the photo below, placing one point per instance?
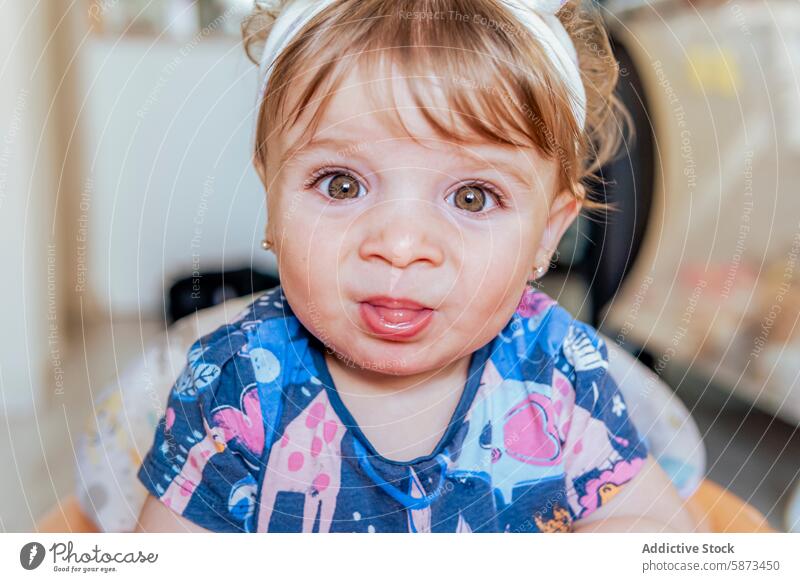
(479, 46)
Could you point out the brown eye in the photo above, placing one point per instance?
(470, 198)
(342, 187)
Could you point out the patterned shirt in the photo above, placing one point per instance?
(256, 438)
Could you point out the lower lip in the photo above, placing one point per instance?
(392, 323)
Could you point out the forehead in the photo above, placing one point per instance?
(366, 109)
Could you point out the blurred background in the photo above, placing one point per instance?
(128, 201)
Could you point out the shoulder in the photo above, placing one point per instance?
(593, 417)
(544, 332)
(229, 372)
(262, 353)
(560, 333)
(207, 456)
(602, 448)
(229, 346)
(268, 307)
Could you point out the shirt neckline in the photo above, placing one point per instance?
(475, 371)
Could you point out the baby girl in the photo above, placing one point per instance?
(421, 159)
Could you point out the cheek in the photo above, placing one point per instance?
(307, 280)
(495, 260)
(495, 270)
(308, 257)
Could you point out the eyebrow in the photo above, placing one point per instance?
(350, 149)
(315, 144)
(509, 168)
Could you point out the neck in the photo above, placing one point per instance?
(375, 381)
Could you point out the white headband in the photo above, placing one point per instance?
(539, 16)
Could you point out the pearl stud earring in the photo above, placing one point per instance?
(537, 273)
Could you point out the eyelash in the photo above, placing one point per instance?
(326, 171)
(498, 196)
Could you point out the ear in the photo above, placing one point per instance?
(269, 233)
(563, 212)
(260, 170)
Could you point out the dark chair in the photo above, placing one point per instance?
(616, 237)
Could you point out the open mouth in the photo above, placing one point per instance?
(394, 318)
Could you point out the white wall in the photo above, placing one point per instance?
(169, 174)
(30, 336)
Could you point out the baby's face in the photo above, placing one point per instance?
(402, 256)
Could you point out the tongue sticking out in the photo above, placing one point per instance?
(395, 322)
(398, 316)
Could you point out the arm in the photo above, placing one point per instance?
(157, 517)
(615, 485)
(647, 503)
(203, 464)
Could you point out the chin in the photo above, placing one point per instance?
(387, 357)
(387, 367)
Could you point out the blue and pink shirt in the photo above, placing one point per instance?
(255, 437)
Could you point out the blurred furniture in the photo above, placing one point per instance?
(194, 293)
(792, 518)
(714, 286)
(662, 420)
(724, 512)
(66, 517)
(615, 238)
(173, 19)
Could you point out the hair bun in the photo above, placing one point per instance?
(273, 6)
(257, 26)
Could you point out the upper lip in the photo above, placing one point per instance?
(394, 302)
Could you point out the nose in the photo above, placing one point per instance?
(403, 233)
